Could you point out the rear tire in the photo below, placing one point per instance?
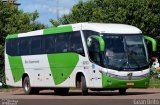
(27, 87)
(122, 91)
(84, 86)
(61, 91)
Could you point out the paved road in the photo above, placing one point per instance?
(75, 98)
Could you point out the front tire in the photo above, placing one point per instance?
(84, 86)
(27, 87)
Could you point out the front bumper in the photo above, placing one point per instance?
(110, 82)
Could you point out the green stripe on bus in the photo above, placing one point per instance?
(62, 65)
(16, 66)
(58, 30)
(12, 36)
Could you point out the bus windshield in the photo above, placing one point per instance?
(125, 52)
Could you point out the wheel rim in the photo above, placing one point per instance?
(27, 85)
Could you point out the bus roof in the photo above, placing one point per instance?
(111, 28)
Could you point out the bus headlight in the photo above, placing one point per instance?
(133, 77)
(112, 75)
(103, 71)
(107, 74)
(146, 75)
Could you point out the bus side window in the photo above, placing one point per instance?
(62, 42)
(35, 46)
(76, 43)
(94, 52)
(8, 47)
(88, 33)
(49, 44)
(24, 42)
(12, 47)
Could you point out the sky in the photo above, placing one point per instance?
(47, 8)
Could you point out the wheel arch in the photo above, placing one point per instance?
(23, 76)
(78, 78)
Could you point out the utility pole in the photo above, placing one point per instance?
(57, 11)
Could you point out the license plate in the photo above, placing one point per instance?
(130, 84)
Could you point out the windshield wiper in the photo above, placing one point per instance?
(124, 63)
(130, 56)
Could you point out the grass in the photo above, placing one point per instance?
(154, 83)
(6, 89)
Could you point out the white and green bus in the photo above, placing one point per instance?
(91, 56)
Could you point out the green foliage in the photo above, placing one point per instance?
(34, 16)
(64, 20)
(13, 21)
(154, 83)
(54, 22)
(144, 14)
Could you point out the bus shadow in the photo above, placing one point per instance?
(96, 93)
(109, 93)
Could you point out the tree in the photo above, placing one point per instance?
(144, 14)
(13, 21)
(54, 22)
(34, 16)
(60, 21)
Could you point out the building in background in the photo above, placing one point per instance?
(15, 2)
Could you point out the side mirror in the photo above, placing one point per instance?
(94, 39)
(96, 47)
(153, 41)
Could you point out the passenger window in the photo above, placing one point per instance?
(88, 33)
(94, 52)
(62, 43)
(8, 47)
(76, 43)
(24, 42)
(35, 46)
(49, 45)
(12, 47)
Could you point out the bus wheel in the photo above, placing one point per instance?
(27, 87)
(122, 91)
(61, 91)
(83, 86)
